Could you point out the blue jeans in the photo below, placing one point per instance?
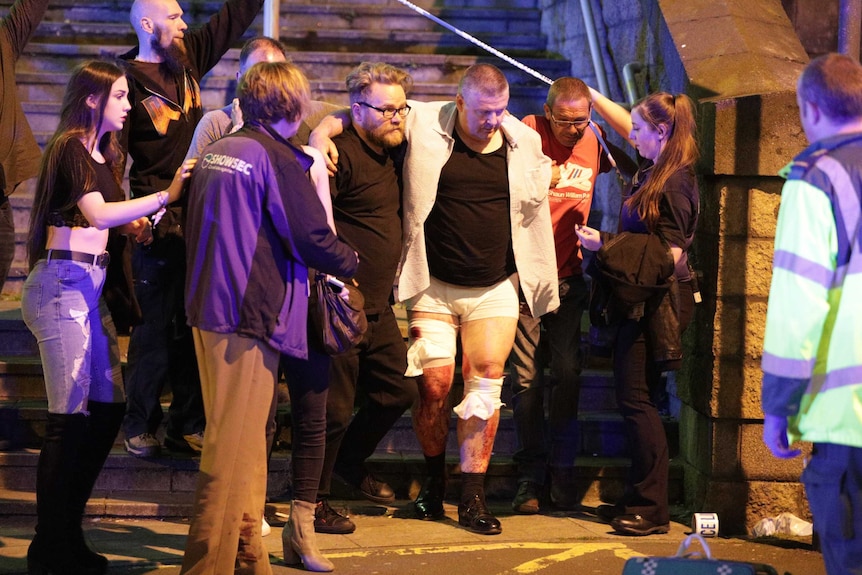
(62, 305)
(833, 483)
(559, 444)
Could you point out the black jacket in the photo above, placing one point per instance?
(159, 129)
(637, 271)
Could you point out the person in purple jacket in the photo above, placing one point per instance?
(254, 225)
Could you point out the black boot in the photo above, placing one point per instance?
(51, 551)
(429, 504)
(103, 425)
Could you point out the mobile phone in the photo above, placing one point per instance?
(335, 281)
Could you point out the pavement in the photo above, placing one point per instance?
(389, 541)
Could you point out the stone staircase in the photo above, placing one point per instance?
(327, 38)
(164, 486)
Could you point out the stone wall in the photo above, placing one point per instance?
(740, 63)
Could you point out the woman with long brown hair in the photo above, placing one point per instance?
(663, 200)
(78, 199)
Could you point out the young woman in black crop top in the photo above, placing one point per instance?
(78, 199)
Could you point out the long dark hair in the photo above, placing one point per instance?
(680, 151)
(78, 121)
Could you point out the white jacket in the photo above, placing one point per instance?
(429, 135)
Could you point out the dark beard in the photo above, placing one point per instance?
(172, 56)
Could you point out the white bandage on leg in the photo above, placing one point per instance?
(481, 398)
(432, 344)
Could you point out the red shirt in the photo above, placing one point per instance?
(571, 198)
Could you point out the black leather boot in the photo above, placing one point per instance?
(429, 503)
(103, 425)
(51, 552)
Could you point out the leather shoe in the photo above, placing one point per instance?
(474, 515)
(429, 503)
(376, 491)
(637, 525)
(527, 498)
(365, 485)
(328, 520)
(608, 513)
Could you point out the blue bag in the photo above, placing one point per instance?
(687, 562)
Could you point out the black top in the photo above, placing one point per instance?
(366, 202)
(71, 185)
(678, 211)
(468, 233)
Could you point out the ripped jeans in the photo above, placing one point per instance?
(62, 305)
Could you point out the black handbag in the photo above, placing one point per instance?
(337, 323)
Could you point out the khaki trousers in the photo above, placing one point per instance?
(238, 380)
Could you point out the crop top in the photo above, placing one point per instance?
(70, 185)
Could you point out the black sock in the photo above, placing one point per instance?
(472, 484)
(436, 465)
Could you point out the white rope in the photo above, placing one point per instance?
(508, 59)
(478, 42)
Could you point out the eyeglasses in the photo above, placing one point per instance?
(388, 113)
(566, 124)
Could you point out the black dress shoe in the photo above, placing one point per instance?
(608, 513)
(376, 491)
(637, 525)
(474, 515)
(429, 503)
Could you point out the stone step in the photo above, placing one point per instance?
(425, 68)
(296, 16)
(601, 432)
(310, 25)
(23, 410)
(42, 92)
(164, 487)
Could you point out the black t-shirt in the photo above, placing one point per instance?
(468, 233)
(366, 202)
(71, 185)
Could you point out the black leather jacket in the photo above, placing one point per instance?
(638, 272)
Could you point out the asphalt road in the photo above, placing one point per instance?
(389, 542)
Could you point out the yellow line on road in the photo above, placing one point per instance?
(576, 550)
(569, 550)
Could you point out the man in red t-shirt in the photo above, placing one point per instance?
(577, 155)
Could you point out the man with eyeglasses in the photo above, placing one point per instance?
(550, 449)
(366, 205)
(477, 228)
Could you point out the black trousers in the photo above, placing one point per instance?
(371, 377)
(161, 350)
(635, 375)
(307, 382)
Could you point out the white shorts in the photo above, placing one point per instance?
(468, 303)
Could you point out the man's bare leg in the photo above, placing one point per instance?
(431, 425)
(430, 413)
(486, 344)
